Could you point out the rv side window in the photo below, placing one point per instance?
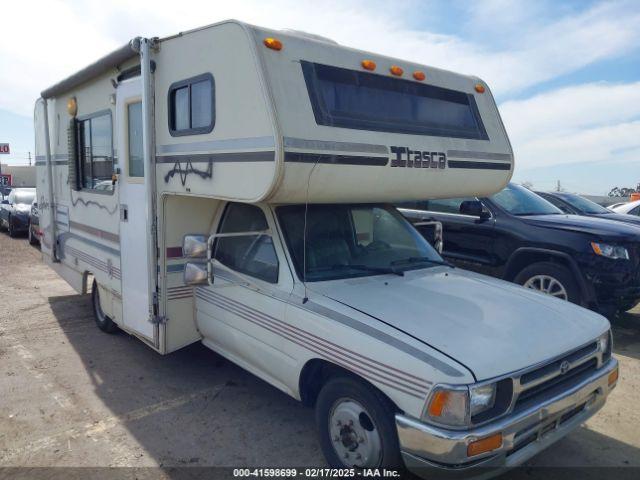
(192, 106)
(96, 152)
(250, 251)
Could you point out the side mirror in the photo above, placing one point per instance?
(474, 208)
(195, 246)
(196, 273)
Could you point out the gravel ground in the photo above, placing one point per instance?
(71, 395)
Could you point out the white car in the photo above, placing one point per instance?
(630, 208)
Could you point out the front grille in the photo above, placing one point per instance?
(556, 385)
(534, 375)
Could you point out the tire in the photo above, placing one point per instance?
(10, 230)
(32, 239)
(104, 323)
(552, 279)
(351, 439)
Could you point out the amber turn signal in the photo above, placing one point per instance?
(613, 377)
(272, 43)
(484, 445)
(396, 70)
(368, 65)
(438, 402)
(418, 75)
(479, 88)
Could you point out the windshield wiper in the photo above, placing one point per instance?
(365, 268)
(422, 260)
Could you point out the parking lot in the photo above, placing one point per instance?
(71, 395)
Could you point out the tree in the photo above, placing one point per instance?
(624, 191)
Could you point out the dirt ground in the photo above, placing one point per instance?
(71, 395)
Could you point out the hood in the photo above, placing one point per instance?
(599, 227)
(490, 326)
(620, 217)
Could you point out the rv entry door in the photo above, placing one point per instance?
(133, 231)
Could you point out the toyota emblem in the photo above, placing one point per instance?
(564, 367)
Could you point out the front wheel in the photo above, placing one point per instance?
(357, 426)
(10, 229)
(104, 323)
(551, 279)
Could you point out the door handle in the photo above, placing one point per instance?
(124, 213)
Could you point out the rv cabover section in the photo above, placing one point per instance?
(228, 185)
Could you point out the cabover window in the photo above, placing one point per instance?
(366, 101)
(93, 159)
(192, 106)
(249, 249)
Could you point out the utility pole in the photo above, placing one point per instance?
(558, 188)
(29, 158)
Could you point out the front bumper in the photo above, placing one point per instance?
(426, 448)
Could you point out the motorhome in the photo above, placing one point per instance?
(231, 185)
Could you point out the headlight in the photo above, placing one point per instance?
(455, 406)
(482, 398)
(610, 251)
(604, 345)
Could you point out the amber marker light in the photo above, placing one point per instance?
(272, 43)
(396, 70)
(418, 75)
(368, 65)
(479, 88)
(613, 377)
(72, 106)
(484, 445)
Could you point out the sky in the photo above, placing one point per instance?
(565, 74)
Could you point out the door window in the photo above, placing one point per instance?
(250, 250)
(134, 121)
(96, 152)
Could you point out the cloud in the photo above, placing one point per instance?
(507, 44)
(597, 122)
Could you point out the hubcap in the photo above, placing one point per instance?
(355, 437)
(547, 284)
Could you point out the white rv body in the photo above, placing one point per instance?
(269, 145)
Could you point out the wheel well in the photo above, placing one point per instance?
(317, 372)
(525, 259)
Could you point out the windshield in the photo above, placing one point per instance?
(518, 200)
(24, 197)
(346, 241)
(584, 205)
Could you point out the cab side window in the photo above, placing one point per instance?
(249, 249)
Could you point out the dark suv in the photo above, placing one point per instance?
(577, 205)
(518, 236)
